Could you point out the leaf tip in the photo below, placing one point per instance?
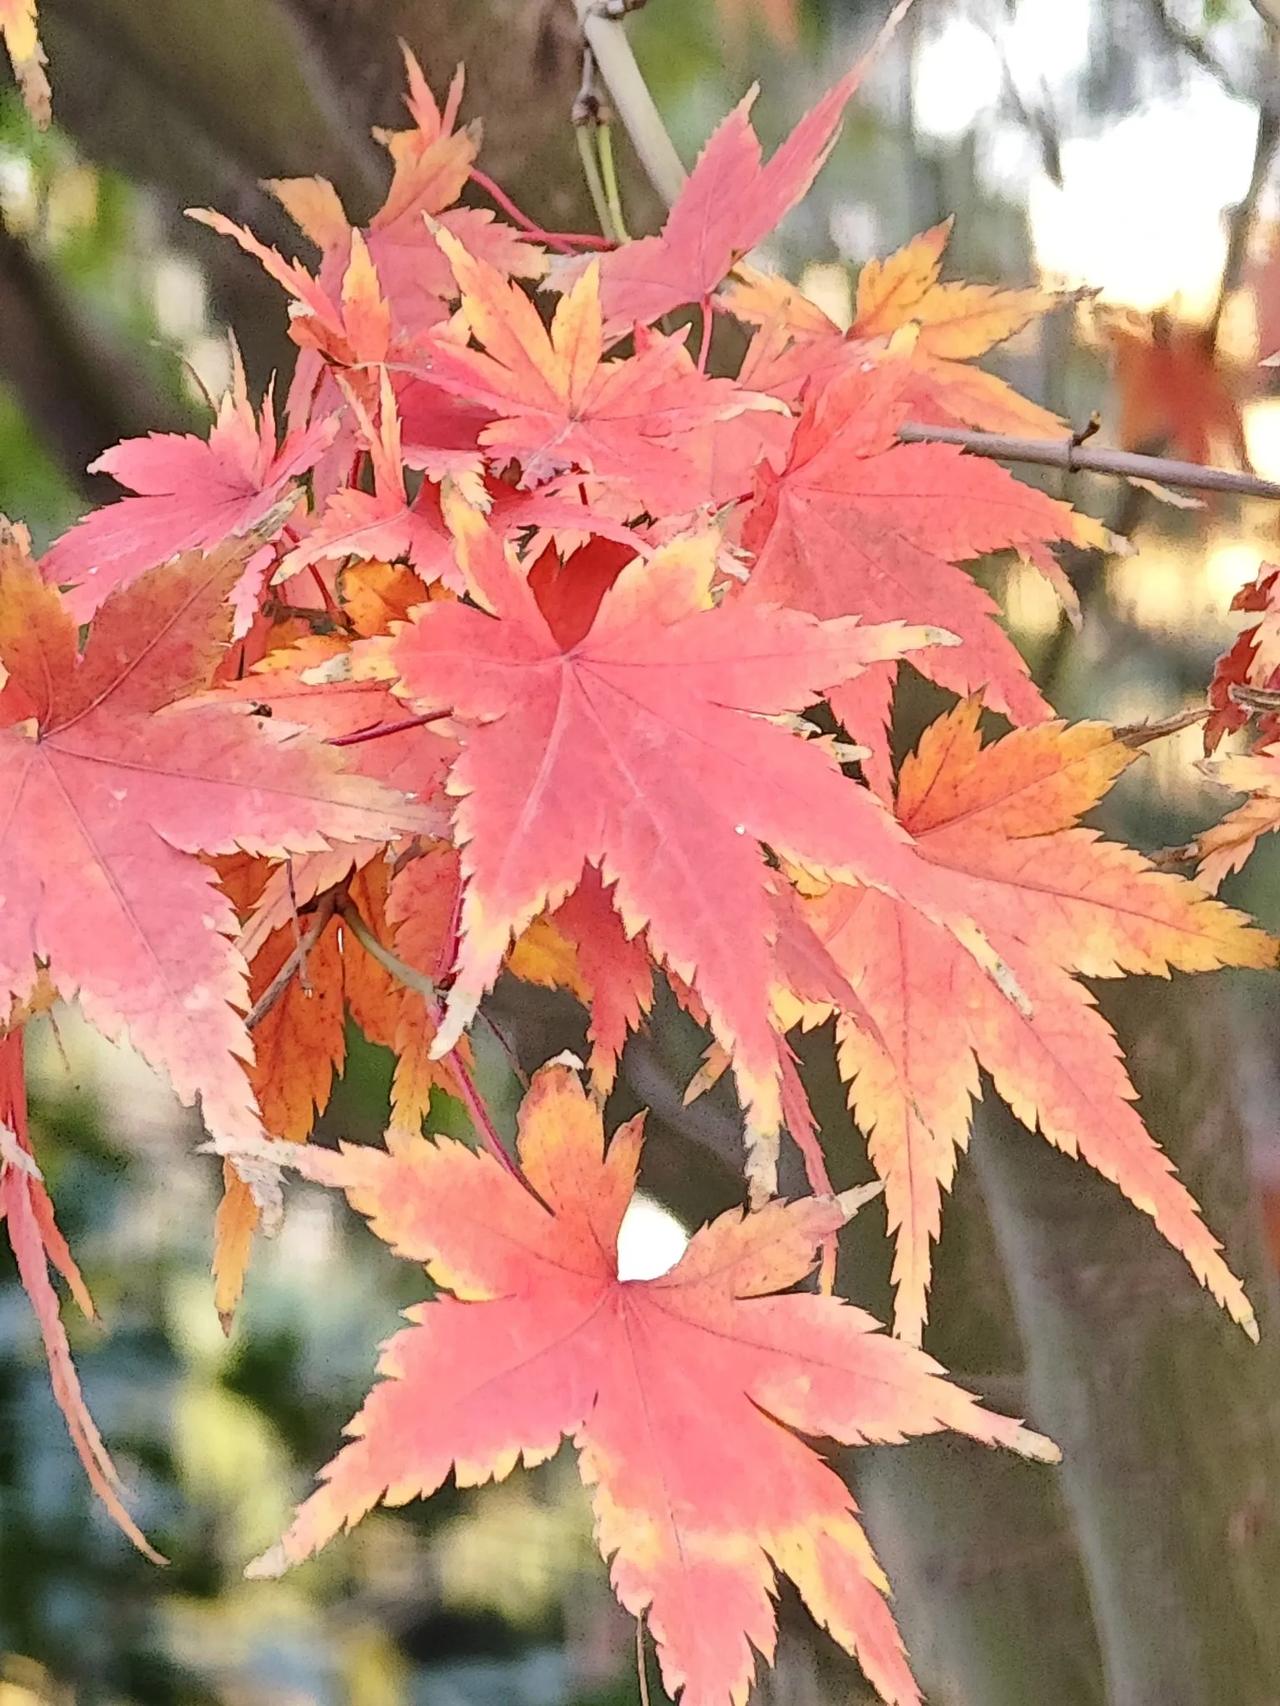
(1036, 1446)
(268, 1566)
(859, 1196)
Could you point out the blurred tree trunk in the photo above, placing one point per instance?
(201, 99)
(1168, 1418)
(989, 1587)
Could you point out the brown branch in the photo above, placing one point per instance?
(1077, 458)
(1142, 734)
(320, 914)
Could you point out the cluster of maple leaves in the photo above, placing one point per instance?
(500, 658)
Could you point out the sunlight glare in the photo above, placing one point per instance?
(1141, 211)
(956, 78)
(650, 1241)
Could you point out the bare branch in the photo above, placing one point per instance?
(1078, 458)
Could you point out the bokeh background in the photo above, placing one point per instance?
(1126, 146)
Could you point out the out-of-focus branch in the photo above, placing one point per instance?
(629, 92)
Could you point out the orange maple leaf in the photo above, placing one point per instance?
(300, 1042)
(110, 790)
(1226, 846)
(662, 1383)
(1176, 394)
(950, 323)
(1056, 900)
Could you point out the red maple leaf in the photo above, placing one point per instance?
(1253, 660)
(192, 495)
(431, 165)
(634, 421)
(111, 788)
(383, 523)
(728, 204)
(37, 1246)
(857, 522)
(680, 1393)
(637, 742)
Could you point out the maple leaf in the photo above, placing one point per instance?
(951, 323)
(1253, 660)
(345, 319)
(561, 405)
(1175, 392)
(857, 522)
(27, 56)
(383, 523)
(1226, 846)
(192, 495)
(1055, 900)
(729, 202)
(636, 742)
(431, 165)
(110, 790)
(300, 1041)
(343, 696)
(660, 1382)
(37, 1246)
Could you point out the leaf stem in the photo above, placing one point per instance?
(379, 731)
(591, 172)
(564, 241)
(609, 170)
(421, 985)
(708, 321)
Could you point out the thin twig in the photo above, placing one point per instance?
(422, 985)
(300, 952)
(1075, 458)
(1142, 734)
(631, 99)
(1255, 699)
(320, 915)
(1194, 46)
